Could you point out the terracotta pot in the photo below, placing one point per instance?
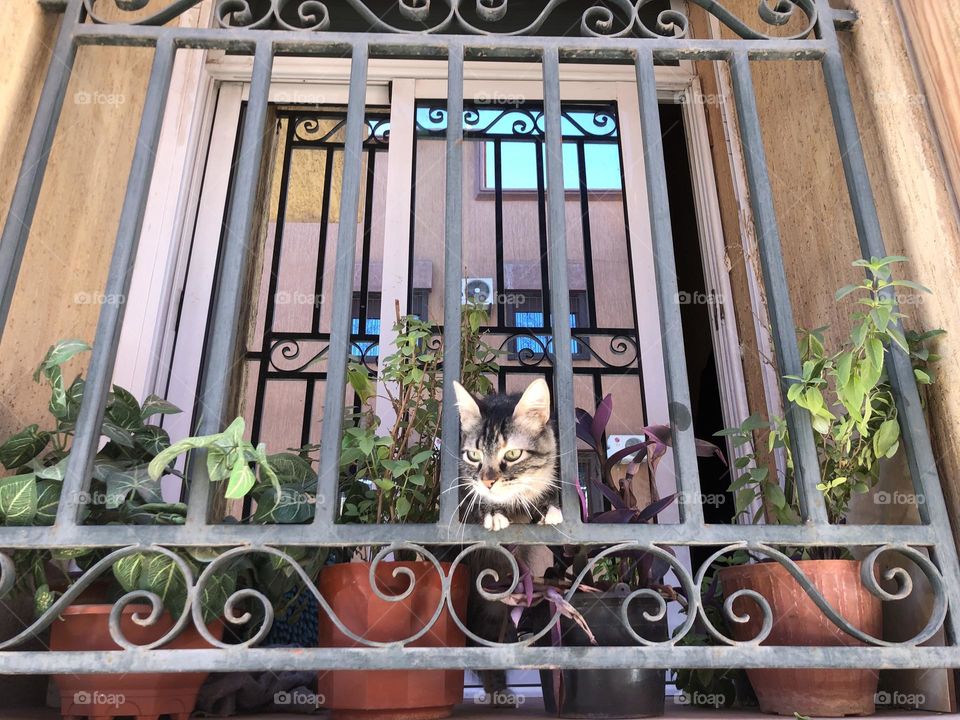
(146, 696)
(797, 621)
(406, 694)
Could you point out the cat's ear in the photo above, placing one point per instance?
(467, 405)
(534, 405)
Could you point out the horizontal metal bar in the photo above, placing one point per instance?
(435, 46)
(345, 535)
(311, 659)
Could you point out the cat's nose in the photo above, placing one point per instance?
(489, 477)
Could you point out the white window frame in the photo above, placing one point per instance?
(190, 184)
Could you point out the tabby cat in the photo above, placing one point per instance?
(508, 474)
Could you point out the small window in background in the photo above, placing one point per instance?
(527, 312)
(519, 167)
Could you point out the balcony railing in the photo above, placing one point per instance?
(314, 32)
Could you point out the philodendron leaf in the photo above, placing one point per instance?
(154, 405)
(48, 497)
(59, 354)
(241, 480)
(122, 483)
(127, 571)
(24, 446)
(18, 499)
(124, 410)
(216, 591)
(162, 576)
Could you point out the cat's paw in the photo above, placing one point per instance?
(553, 516)
(495, 522)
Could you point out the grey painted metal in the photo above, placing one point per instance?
(310, 659)
(221, 360)
(668, 298)
(559, 290)
(911, 542)
(107, 338)
(806, 463)
(920, 457)
(339, 348)
(435, 46)
(349, 535)
(453, 272)
(23, 204)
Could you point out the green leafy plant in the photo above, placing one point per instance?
(391, 474)
(849, 399)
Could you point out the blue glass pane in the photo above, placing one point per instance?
(372, 328)
(519, 166)
(535, 320)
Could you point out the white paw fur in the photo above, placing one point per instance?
(553, 516)
(495, 522)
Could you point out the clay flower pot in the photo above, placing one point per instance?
(798, 622)
(406, 694)
(146, 696)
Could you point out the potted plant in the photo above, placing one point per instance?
(613, 575)
(854, 418)
(390, 474)
(120, 491)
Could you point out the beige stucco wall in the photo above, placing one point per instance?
(813, 209)
(64, 267)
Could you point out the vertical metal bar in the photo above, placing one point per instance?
(322, 242)
(806, 464)
(542, 227)
(273, 281)
(563, 401)
(453, 270)
(229, 297)
(498, 231)
(339, 348)
(674, 359)
(107, 336)
(919, 451)
(367, 237)
(23, 204)
(586, 234)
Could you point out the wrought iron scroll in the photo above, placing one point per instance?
(490, 585)
(617, 19)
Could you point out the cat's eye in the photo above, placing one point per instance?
(512, 455)
(473, 455)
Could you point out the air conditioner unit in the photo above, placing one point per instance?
(479, 290)
(615, 443)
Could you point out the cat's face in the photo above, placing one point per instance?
(508, 451)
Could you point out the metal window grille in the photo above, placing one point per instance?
(264, 30)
